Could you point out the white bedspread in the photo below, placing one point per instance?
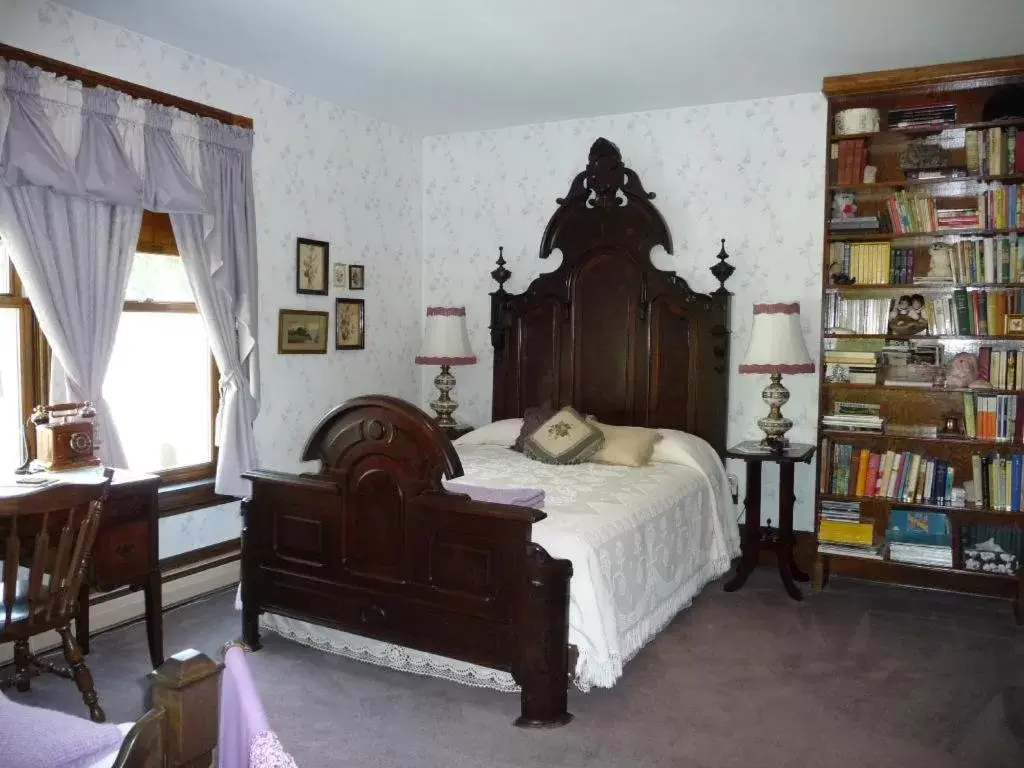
(642, 541)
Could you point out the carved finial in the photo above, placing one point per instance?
(500, 274)
(722, 271)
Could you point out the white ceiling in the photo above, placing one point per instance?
(438, 66)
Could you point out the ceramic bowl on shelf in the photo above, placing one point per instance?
(857, 120)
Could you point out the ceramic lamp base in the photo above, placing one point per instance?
(443, 405)
(775, 425)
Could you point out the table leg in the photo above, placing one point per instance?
(154, 618)
(784, 551)
(82, 619)
(752, 535)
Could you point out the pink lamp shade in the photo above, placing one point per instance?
(445, 338)
(776, 341)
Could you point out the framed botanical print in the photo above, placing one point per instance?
(311, 260)
(355, 277)
(339, 273)
(302, 332)
(349, 324)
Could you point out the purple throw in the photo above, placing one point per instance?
(31, 737)
(516, 497)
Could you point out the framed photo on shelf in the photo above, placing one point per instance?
(1015, 325)
(302, 332)
(311, 259)
(355, 277)
(339, 275)
(349, 324)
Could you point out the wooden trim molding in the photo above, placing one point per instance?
(962, 74)
(90, 78)
(179, 498)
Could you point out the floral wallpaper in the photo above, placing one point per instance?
(751, 172)
(321, 172)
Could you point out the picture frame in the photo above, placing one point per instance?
(349, 324)
(302, 332)
(311, 260)
(339, 275)
(1014, 325)
(356, 277)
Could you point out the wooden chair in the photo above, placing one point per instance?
(52, 531)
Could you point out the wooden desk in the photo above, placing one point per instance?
(127, 549)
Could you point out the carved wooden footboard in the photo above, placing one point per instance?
(373, 544)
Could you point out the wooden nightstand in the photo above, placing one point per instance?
(454, 433)
(752, 540)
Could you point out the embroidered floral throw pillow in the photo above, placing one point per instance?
(565, 438)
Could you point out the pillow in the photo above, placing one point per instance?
(44, 738)
(496, 433)
(625, 446)
(565, 438)
(532, 418)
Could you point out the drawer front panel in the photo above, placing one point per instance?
(121, 554)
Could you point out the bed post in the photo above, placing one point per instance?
(250, 585)
(186, 688)
(543, 671)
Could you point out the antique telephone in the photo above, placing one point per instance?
(64, 436)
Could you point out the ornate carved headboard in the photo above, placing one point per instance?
(607, 332)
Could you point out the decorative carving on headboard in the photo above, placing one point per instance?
(608, 332)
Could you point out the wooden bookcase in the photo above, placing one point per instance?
(968, 86)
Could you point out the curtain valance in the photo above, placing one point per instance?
(103, 145)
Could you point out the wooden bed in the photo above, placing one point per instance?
(374, 545)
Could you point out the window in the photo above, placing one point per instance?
(161, 383)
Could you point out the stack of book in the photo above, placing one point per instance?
(907, 477)
(851, 366)
(919, 537)
(854, 224)
(924, 116)
(854, 417)
(995, 151)
(841, 531)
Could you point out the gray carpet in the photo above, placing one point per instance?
(861, 675)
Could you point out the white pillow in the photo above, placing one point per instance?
(502, 432)
(677, 447)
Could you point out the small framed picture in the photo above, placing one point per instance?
(311, 258)
(339, 273)
(1015, 325)
(302, 332)
(349, 324)
(355, 277)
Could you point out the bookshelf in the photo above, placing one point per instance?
(921, 402)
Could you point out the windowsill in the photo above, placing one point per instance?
(178, 498)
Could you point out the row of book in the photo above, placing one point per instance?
(998, 259)
(1002, 368)
(996, 482)
(919, 537)
(850, 156)
(871, 263)
(858, 316)
(903, 476)
(995, 151)
(975, 312)
(998, 418)
(1000, 207)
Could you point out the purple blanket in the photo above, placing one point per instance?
(244, 739)
(516, 497)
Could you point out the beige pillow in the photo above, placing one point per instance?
(565, 438)
(625, 446)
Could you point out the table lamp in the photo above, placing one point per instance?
(776, 347)
(445, 343)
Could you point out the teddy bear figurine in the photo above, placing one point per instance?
(844, 205)
(962, 372)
